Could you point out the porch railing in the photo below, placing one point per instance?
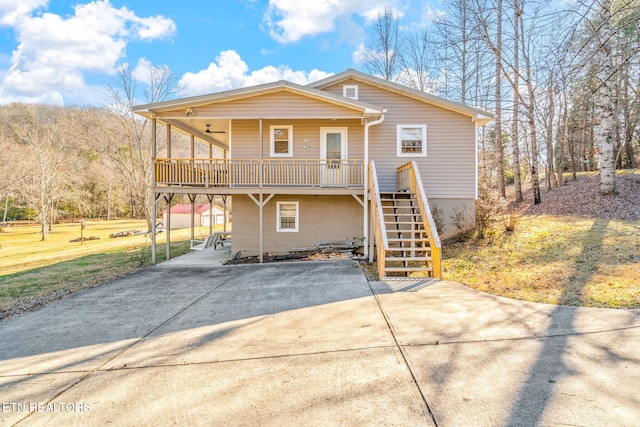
(314, 173)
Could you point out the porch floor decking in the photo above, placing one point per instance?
(210, 257)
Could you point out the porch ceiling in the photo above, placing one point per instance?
(198, 126)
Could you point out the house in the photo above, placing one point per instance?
(203, 215)
(350, 156)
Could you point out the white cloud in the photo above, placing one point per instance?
(231, 72)
(359, 55)
(54, 52)
(290, 20)
(143, 71)
(12, 11)
(153, 28)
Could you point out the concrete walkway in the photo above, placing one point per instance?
(312, 343)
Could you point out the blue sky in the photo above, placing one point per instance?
(63, 52)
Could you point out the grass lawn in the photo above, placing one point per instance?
(553, 259)
(34, 272)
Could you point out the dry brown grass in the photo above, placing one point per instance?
(34, 272)
(556, 260)
(576, 248)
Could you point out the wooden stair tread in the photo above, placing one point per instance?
(405, 222)
(398, 239)
(407, 258)
(409, 249)
(406, 269)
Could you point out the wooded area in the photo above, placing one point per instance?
(562, 78)
(71, 162)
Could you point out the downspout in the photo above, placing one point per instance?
(365, 227)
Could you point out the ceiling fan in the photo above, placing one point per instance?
(213, 131)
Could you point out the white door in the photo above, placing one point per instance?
(333, 153)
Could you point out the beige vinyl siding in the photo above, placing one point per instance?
(448, 170)
(279, 104)
(321, 218)
(306, 133)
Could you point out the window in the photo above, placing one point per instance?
(412, 140)
(288, 216)
(350, 91)
(281, 141)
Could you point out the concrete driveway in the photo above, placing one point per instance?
(312, 343)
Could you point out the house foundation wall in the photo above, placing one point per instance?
(457, 215)
(321, 219)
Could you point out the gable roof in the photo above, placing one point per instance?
(188, 115)
(150, 110)
(479, 116)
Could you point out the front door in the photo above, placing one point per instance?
(333, 153)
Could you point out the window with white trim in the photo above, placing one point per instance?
(281, 141)
(350, 91)
(288, 216)
(412, 140)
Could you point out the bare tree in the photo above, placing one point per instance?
(602, 33)
(517, 179)
(531, 110)
(381, 54)
(418, 59)
(129, 144)
(492, 36)
(42, 132)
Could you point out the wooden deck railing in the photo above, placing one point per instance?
(314, 173)
(377, 218)
(409, 180)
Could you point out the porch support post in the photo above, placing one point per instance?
(192, 199)
(168, 224)
(168, 198)
(154, 208)
(261, 201)
(261, 245)
(168, 141)
(224, 214)
(211, 198)
(260, 177)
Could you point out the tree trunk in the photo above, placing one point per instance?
(498, 118)
(551, 177)
(517, 179)
(109, 201)
(6, 208)
(531, 111)
(563, 131)
(605, 104)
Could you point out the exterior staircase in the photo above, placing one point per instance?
(405, 235)
(409, 249)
